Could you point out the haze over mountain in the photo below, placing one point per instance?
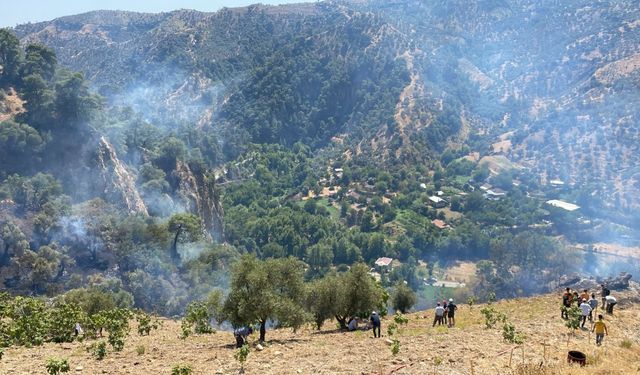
(557, 80)
(499, 136)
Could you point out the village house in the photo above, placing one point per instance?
(494, 194)
(440, 224)
(437, 202)
(384, 263)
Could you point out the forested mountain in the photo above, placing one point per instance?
(562, 76)
(335, 132)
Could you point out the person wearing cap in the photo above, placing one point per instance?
(451, 312)
(586, 310)
(375, 322)
(439, 315)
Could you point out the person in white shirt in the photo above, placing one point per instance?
(77, 330)
(439, 315)
(586, 310)
(611, 301)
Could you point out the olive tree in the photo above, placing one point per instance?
(353, 293)
(403, 298)
(266, 290)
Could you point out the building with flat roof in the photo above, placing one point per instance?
(562, 204)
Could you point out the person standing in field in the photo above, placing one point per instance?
(375, 322)
(585, 295)
(567, 297)
(593, 302)
(586, 310)
(446, 310)
(451, 312)
(439, 315)
(600, 329)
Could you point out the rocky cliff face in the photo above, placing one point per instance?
(197, 193)
(118, 182)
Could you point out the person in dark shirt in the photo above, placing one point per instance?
(241, 335)
(451, 312)
(567, 298)
(375, 322)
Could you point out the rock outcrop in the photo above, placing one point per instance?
(118, 182)
(577, 282)
(196, 191)
(617, 283)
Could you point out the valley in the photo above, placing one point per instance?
(474, 150)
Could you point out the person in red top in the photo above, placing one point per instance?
(585, 295)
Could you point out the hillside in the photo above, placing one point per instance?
(468, 348)
(144, 157)
(461, 73)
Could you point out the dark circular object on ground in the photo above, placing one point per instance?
(575, 356)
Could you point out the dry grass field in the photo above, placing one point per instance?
(468, 348)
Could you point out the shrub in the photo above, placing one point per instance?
(392, 328)
(28, 319)
(400, 319)
(241, 354)
(437, 361)
(98, 350)
(471, 301)
(116, 322)
(492, 316)
(510, 335)
(62, 318)
(181, 370)
(575, 315)
(625, 343)
(140, 349)
(57, 366)
(146, 323)
(198, 318)
(491, 297)
(395, 347)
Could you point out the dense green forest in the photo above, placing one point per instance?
(321, 154)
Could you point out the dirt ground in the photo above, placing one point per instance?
(462, 272)
(468, 348)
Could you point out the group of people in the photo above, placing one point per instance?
(588, 304)
(445, 313)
